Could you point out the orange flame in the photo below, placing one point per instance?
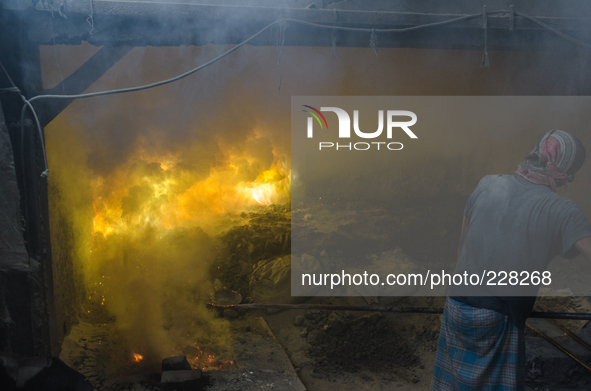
(138, 357)
(151, 192)
(209, 363)
(261, 196)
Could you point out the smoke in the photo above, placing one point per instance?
(157, 285)
(144, 181)
(154, 281)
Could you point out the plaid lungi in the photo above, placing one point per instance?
(478, 349)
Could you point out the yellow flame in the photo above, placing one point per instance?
(154, 192)
(262, 194)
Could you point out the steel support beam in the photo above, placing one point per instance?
(162, 23)
(79, 81)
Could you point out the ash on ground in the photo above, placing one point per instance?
(345, 342)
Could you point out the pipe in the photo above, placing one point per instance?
(410, 310)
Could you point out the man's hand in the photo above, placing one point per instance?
(584, 247)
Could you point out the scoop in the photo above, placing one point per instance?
(226, 297)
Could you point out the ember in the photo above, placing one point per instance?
(204, 361)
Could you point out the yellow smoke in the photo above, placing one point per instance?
(144, 233)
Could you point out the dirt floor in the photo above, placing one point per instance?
(359, 351)
(325, 350)
(293, 350)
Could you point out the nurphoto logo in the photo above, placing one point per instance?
(392, 122)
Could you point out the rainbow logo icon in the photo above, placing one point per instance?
(316, 116)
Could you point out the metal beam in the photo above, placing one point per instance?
(79, 81)
(161, 23)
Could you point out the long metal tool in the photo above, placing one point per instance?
(416, 310)
(571, 334)
(558, 346)
(567, 331)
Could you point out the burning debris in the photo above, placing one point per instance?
(196, 333)
(147, 220)
(204, 359)
(155, 221)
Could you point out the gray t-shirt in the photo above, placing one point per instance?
(515, 225)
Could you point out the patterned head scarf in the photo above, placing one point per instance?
(557, 156)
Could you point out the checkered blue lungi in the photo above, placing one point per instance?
(478, 349)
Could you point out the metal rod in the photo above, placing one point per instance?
(558, 346)
(567, 331)
(331, 307)
(560, 315)
(415, 310)
(572, 335)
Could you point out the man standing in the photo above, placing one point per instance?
(511, 223)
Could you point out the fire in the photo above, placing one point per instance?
(159, 192)
(263, 193)
(143, 208)
(208, 362)
(260, 196)
(269, 186)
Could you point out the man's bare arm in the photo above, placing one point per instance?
(584, 247)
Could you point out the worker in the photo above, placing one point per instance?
(512, 223)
